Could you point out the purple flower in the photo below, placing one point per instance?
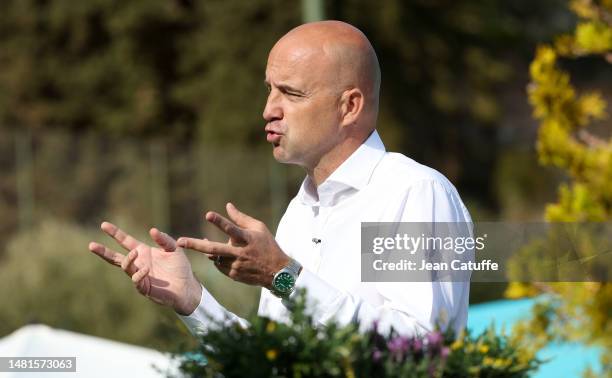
(376, 355)
(444, 352)
(417, 345)
(398, 346)
(434, 339)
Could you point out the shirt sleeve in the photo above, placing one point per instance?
(209, 314)
(411, 308)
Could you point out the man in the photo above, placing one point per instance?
(323, 80)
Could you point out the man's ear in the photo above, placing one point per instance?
(351, 106)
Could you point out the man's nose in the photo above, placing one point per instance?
(272, 110)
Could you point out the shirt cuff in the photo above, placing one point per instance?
(208, 312)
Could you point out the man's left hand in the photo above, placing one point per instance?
(251, 255)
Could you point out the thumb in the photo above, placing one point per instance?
(240, 218)
(162, 239)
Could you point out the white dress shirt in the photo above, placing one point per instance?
(372, 185)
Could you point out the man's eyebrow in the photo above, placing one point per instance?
(285, 87)
(289, 88)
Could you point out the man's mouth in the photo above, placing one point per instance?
(273, 137)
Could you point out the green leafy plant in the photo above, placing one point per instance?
(299, 348)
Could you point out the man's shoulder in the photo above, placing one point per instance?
(398, 169)
(432, 196)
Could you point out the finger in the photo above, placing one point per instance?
(127, 264)
(125, 240)
(139, 281)
(165, 241)
(239, 217)
(226, 225)
(140, 275)
(208, 247)
(107, 254)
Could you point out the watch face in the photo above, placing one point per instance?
(284, 282)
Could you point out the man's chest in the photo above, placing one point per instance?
(327, 240)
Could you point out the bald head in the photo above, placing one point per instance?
(343, 53)
(323, 80)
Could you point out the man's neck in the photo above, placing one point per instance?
(319, 174)
(332, 160)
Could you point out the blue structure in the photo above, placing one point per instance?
(565, 360)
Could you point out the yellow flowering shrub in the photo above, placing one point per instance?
(579, 311)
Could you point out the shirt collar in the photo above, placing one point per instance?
(354, 173)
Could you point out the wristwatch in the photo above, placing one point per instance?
(283, 282)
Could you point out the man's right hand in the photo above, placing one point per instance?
(162, 274)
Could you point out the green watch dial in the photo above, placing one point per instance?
(283, 282)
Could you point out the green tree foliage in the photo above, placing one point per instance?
(183, 68)
(138, 67)
(568, 140)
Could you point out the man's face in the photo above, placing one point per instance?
(301, 113)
